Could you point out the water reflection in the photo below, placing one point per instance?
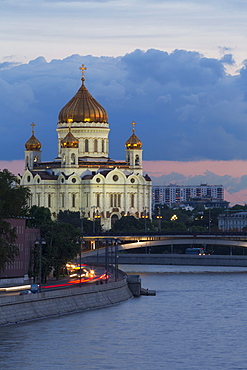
(197, 320)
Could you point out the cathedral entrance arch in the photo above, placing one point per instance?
(114, 218)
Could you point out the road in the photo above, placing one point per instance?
(99, 276)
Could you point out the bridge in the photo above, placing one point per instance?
(142, 241)
(98, 254)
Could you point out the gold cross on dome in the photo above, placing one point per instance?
(83, 69)
(133, 126)
(33, 125)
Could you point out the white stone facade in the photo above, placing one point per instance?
(83, 178)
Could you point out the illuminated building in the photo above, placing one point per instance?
(234, 221)
(83, 178)
(208, 195)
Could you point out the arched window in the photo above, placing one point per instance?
(62, 200)
(73, 200)
(103, 146)
(132, 200)
(49, 200)
(97, 200)
(72, 158)
(128, 158)
(137, 160)
(96, 145)
(86, 145)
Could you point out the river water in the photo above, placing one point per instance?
(197, 320)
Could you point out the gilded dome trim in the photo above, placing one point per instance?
(33, 143)
(82, 107)
(69, 141)
(133, 142)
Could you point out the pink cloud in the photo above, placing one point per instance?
(221, 168)
(15, 167)
(235, 169)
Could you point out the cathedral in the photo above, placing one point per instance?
(83, 178)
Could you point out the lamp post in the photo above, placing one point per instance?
(82, 217)
(40, 242)
(159, 217)
(145, 216)
(81, 242)
(97, 216)
(116, 242)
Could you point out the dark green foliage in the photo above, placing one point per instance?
(13, 197)
(130, 224)
(61, 245)
(38, 216)
(69, 217)
(83, 225)
(13, 203)
(238, 207)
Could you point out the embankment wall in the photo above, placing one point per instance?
(18, 308)
(175, 259)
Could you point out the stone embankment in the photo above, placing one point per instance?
(20, 308)
(175, 259)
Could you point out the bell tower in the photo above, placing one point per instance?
(134, 152)
(32, 152)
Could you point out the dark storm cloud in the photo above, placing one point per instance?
(186, 105)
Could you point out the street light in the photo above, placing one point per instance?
(174, 218)
(145, 216)
(159, 217)
(116, 242)
(40, 242)
(95, 215)
(81, 242)
(106, 258)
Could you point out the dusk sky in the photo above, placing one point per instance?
(176, 68)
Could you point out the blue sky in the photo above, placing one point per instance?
(177, 68)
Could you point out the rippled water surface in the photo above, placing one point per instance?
(197, 320)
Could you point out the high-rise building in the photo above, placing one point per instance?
(83, 178)
(174, 194)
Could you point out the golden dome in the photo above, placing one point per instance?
(69, 141)
(133, 142)
(33, 143)
(82, 107)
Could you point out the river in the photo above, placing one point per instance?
(197, 320)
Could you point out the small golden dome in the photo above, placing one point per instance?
(69, 141)
(33, 143)
(82, 107)
(133, 142)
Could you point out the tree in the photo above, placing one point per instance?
(13, 197)
(130, 224)
(38, 216)
(61, 246)
(73, 218)
(13, 203)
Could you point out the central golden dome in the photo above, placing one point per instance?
(82, 107)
